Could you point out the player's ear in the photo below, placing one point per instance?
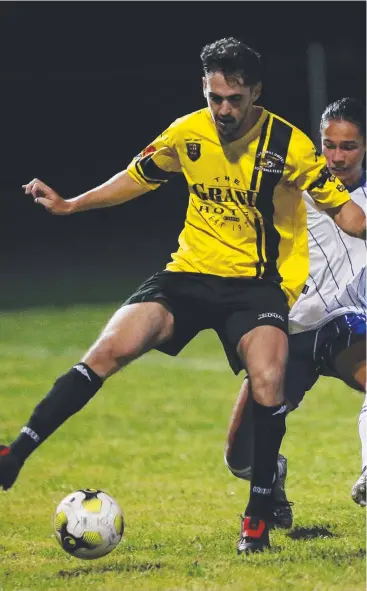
(256, 91)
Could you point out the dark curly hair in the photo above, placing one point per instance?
(346, 109)
(232, 58)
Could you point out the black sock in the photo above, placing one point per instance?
(269, 429)
(69, 394)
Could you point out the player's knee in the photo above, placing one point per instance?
(240, 472)
(267, 382)
(110, 354)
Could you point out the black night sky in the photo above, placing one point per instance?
(86, 85)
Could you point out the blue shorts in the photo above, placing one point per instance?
(313, 353)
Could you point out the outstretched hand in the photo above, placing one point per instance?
(44, 195)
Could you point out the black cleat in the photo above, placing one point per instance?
(9, 467)
(281, 509)
(254, 535)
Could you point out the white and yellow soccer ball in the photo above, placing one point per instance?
(88, 524)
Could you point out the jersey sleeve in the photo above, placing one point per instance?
(157, 163)
(310, 173)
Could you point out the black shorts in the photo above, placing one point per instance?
(230, 306)
(313, 353)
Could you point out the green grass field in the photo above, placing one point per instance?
(153, 438)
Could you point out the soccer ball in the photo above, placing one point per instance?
(88, 524)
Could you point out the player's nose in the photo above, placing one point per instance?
(225, 109)
(338, 157)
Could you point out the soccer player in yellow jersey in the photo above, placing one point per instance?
(242, 258)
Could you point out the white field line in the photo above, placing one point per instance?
(154, 358)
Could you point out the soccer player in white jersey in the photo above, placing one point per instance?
(328, 321)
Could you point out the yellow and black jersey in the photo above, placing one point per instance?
(246, 216)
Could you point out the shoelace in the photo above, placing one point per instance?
(282, 504)
(279, 505)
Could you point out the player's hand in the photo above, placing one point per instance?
(44, 195)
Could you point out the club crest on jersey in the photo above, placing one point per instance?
(269, 162)
(193, 150)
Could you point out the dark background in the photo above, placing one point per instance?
(86, 85)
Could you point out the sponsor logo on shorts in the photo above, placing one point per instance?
(270, 315)
(32, 434)
(261, 491)
(83, 371)
(280, 411)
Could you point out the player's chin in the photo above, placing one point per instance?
(225, 132)
(342, 175)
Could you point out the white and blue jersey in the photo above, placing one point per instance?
(330, 315)
(336, 283)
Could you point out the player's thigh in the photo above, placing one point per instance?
(254, 332)
(350, 365)
(264, 352)
(264, 348)
(133, 330)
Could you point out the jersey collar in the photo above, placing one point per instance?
(360, 183)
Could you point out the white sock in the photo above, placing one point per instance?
(362, 427)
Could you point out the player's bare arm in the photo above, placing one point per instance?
(118, 189)
(350, 218)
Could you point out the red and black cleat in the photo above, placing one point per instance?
(254, 535)
(9, 467)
